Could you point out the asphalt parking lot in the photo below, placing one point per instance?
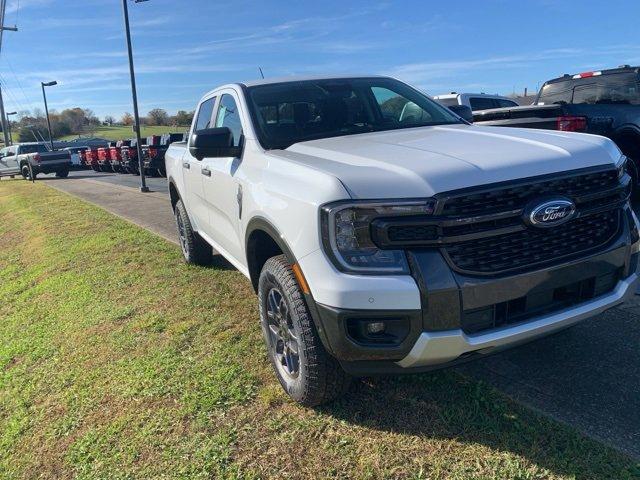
(587, 376)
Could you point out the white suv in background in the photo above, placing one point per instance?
(476, 101)
(383, 234)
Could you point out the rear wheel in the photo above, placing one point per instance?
(194, 249)
(26, 173)
(62, 174)
(308, 374)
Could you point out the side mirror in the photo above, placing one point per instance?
(213, 142)
(462, 111)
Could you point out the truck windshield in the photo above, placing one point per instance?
(292, 112)
(612, 88)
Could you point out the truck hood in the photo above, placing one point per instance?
(420, 162)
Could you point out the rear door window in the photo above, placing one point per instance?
(502, 103)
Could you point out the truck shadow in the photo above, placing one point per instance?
(218, 262)
(447, 405)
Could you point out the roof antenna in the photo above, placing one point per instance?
(260, 68)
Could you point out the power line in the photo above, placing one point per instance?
(13, 72)
(10, 93)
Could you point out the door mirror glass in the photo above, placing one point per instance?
(462, 111)
(213, 142)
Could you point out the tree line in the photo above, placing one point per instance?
(82, 121)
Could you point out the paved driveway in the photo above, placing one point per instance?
(587, 376)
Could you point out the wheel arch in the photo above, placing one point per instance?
(263, 241)
(174, 194)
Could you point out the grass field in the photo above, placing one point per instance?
(118, 361)
(121, 133)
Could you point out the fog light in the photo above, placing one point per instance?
(375, 327)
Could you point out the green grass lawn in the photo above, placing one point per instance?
(122, 133)
(118, 361)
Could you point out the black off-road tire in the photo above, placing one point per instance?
(62, 174)
(194, 249)
(320, 378)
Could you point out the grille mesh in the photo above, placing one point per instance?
(534, 247)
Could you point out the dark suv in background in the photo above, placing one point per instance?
(604, 102)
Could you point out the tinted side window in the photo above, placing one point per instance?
(505, 103)
(560, 93)
(480, 103)
(229, 116)
(205, 113)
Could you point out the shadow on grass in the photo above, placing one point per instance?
(445, 405)
(218, 262)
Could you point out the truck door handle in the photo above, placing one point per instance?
(206, 171)
(186, 165)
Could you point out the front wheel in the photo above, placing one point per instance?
(194, 249)
(308, 374)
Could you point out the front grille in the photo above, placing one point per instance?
(538, 303)
(535, 247)
(515, 197)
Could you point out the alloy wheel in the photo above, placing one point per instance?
(282, 337)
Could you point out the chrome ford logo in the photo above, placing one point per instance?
(551, 213)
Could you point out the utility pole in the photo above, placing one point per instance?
(3, 117)
(5, 130)
(134, 94)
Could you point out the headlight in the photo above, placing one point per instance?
(346, 234)
(622, 166)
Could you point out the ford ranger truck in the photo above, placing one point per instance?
(383, 234)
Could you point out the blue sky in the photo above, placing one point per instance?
(185, 47)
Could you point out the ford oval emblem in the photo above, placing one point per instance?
(550, 213)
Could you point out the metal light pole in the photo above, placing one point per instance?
(46, 109)
(134, 95)
(9, 126)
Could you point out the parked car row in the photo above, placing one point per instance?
(122, 156)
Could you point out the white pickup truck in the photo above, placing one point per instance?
(384, 234)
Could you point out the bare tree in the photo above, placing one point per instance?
(127, 119)
(158, 116)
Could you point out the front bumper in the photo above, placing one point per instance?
(435, 304)
(433, 348)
